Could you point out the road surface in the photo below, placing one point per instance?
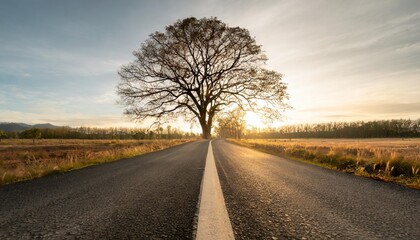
(269, 197)
(155, 196)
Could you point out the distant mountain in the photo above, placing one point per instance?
(44, 125)
(17, 127)
(14, 127)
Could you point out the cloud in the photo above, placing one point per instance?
(55, 62)
(390, 108)
(67, 119)
(355, 112)
(13, 94)
(347, 60)
(342, 116)
(372, 108)
(2, 96)
(107, 97)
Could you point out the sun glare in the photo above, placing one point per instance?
(253, 120)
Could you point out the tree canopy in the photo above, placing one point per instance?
(232, 124)
(34, 133)
(2, 135)
(197, 68)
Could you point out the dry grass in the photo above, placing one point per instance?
(394, 160)
(21, 160)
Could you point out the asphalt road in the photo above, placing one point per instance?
(269, 197)
(153, 196)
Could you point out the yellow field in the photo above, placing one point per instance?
(396, 160)
(21, 160)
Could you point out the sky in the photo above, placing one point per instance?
(342, 60)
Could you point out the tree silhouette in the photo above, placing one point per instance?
(197, 68)
(360, 129)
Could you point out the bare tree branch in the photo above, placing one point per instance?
(196, 69)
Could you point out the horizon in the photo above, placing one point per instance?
(248, 127)
(345, 62)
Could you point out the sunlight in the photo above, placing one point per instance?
(253, 120)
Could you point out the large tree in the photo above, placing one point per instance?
(197, 68)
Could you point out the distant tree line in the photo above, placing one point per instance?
(231, 124)
(396, 128)
(99, 133)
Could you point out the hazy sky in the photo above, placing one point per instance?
(342, 60)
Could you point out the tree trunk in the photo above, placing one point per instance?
(206, 131)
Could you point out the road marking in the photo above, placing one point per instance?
(213, 218)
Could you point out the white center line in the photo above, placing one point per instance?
(213, 218)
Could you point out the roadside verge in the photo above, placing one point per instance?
(393, 170)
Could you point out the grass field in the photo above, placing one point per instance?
(394, 160)
(21, 160)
